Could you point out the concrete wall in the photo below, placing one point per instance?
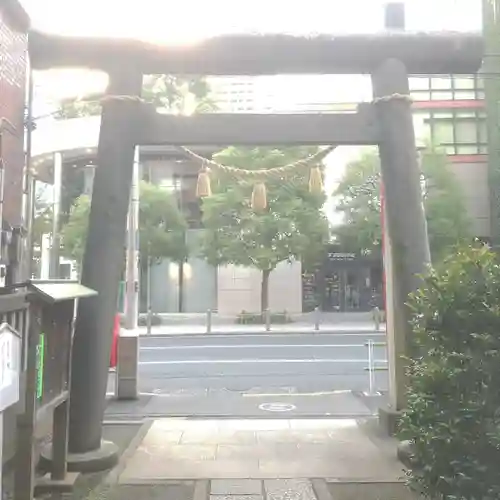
(239, 289)
(199, 288)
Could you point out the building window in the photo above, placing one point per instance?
(446, 88)
(458, 132)
(442, 132)
(466, 131)
(441, 83)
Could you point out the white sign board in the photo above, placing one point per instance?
(10, 365)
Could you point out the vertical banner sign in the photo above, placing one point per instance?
(40, 361)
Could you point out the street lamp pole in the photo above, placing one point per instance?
(56, 216)
(132, 269)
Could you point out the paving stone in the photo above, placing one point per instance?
(289, 489)
(236, 487)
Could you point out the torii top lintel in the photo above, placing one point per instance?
(422, 53)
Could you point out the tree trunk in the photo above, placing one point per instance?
(264, 290)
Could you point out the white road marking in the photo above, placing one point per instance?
(295, 394)
(246, 346)
(251, 361)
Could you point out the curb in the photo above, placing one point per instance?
(275, 332)
(113, 476)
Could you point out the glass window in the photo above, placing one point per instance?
(460, 114)
(449, 149)
(464, 82)
(442, 95)
(465, 94)
(467, 150)
(421, 96)
(419, 83)
(466, 131)
(441, 83)
(442, 132)
(482, 132)
(438, 115)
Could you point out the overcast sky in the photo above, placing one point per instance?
(186, 21)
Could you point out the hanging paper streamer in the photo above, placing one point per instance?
(203, 187)
(259, 197)
(315, 180)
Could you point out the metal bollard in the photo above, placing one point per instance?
(317, 314)
(149, 321)
(209, 320)
(376, 318)
(267, 316)
(371, 370)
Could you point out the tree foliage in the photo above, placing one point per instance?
(172, 94)
(292, 226)
(358, 200)
(452, 416)
(162, 226)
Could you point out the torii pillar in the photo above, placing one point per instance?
(406, 245)
(101, 271)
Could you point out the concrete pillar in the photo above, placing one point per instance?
(127, 383)
(407, 248)
(101, 270)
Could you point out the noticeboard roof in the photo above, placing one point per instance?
(53, 291)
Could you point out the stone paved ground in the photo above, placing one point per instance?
(258, 449)
(183, 459)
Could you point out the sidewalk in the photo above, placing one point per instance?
(181, 459)
(190, 329)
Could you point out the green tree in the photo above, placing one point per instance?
(292, 227)
(162, 226)
(42, 219)
(358, 201)
(172, 94)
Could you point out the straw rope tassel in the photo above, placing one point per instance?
(259, 197)
(203, 187)
(315, 180)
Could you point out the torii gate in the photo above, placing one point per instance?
(127, 122)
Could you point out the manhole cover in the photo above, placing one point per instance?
(277, 407)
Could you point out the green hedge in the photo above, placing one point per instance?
(453, 409)
(245, 318)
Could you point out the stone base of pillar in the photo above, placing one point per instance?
(389, 419)
(104, 458)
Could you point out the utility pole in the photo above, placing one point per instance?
(56, 216)
(132, 270)
(491, 76)
(149, 310)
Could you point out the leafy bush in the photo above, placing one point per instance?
(245, 318)
(453, 409)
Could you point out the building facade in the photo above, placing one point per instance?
(448, 111)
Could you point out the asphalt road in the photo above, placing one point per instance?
(298, 362)
(312, 374)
